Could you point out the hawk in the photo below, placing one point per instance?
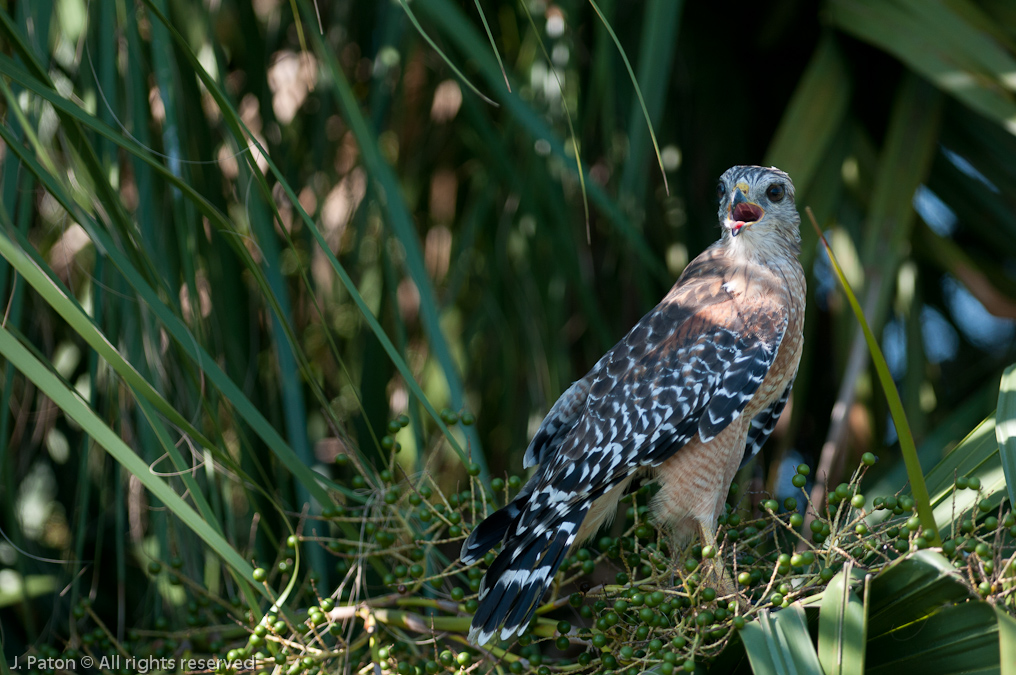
(685, 398)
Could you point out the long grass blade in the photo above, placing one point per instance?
(444, 57)
(907, 447)
(175, 326)
(661, 24)
(568, 119)
(75, 408)
(638, 90)
(461, 31)
(493, 45)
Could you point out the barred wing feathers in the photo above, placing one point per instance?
(689, 367)
(762, 425)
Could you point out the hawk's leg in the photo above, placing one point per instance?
(714, 571)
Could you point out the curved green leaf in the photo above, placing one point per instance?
(936, 40)
(780, 643)
(910, 590)
(960, 638)
(1006, 642)
(842, 628)
(1005, 429)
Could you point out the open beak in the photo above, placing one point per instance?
(742, 212)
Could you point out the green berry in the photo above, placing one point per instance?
(796, 520)
(857, 501)
(974, 482)
(803, 469)
(467, 418)
(497, 484)
(868, 459)
(260, 575)
(799, 481)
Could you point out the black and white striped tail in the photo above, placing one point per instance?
(512, 589)
(489, 533)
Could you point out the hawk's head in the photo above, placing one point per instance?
(757, 208)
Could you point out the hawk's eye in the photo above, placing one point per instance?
(775, 192)
(720, 190)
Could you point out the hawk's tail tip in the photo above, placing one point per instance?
(487, 534)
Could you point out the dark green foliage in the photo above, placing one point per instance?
(307, 369)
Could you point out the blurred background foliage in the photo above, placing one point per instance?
(242, 287)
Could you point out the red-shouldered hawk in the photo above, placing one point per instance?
(692, 390)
